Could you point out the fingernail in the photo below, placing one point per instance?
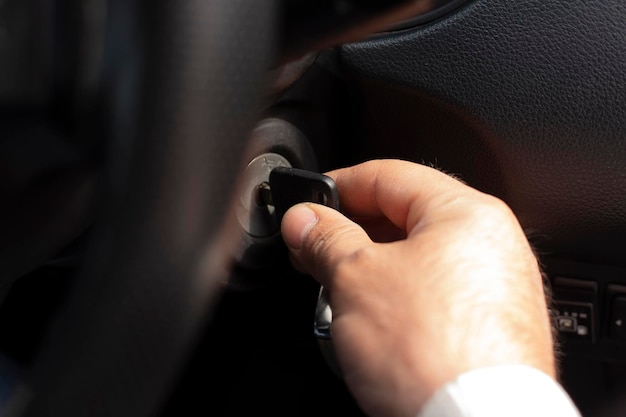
(297, 224)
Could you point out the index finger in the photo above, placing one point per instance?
(398, 190)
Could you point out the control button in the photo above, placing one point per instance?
(617, 324)
(572, 289)
(575, 301)
(567, 324)
(574, 319)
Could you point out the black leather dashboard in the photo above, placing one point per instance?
(525, 100)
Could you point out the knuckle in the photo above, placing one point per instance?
(499, 211)
(490, 209)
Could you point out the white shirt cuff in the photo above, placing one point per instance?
(507, 390)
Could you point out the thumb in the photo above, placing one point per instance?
(320, 238)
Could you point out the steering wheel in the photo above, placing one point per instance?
(180, 91)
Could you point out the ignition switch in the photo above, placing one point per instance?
(260, 255)
(255, 215)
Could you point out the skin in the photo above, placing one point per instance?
(428, 279)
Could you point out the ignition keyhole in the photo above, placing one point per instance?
(263, 195)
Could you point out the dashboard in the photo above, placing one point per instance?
(522, 100)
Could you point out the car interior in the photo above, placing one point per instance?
(142, 271)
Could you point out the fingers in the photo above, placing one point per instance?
(397, 190)
(320, 238)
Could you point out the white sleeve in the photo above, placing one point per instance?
(508, 390)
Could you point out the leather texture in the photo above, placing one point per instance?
(525, 100)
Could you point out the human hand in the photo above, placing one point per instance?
(430, 279)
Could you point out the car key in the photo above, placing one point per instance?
(290, 186)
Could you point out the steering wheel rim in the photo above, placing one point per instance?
(178, 96)
(181, 81)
